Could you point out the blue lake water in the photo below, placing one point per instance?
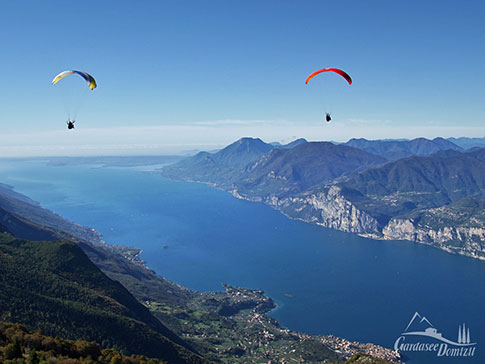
(324, 281)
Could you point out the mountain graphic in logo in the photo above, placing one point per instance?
(420, 335)
(421, 326)
(418, 323)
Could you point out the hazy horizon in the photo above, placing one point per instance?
(121, 142)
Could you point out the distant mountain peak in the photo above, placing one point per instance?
(244, 145)
(294, 143)
(247, 140)
(226, 163)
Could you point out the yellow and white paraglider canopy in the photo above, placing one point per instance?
(89, 79)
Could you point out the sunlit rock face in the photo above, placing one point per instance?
(463, 240)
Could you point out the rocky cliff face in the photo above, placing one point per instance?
(329, 208)
(469, 241)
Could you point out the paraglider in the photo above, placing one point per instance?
(89, 79)
(72, 101)
(345, 75)
(336, 70)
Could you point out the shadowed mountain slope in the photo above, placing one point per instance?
(419, 182)
(20, 207)
(284, 171)
(53, 286)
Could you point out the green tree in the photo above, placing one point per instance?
(33, 357)
(13, 351)
(116, 360)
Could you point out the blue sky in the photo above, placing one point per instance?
(181, 75)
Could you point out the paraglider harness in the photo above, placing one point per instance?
(328, 117)
(70, 124)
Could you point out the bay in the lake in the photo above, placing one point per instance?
(324, 281)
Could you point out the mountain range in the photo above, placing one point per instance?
(397, 149)
(468, 143)
(383, 189)
(417, 183)
(287, 171)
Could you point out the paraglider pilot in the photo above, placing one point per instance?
(328, 117)
(87, 77)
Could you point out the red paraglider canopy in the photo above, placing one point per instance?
(336, 70)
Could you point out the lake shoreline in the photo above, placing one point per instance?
(374, 236)
(341, 283)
